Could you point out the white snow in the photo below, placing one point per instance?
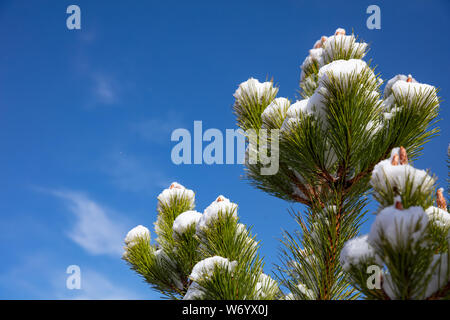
(316, 103)
(402, 86)
(175, 190)
(184, 220)
(316, 55)
(388, 286)
(340, 31)
(344, 43)
(387, 115)
(265, 283)
(387, 103)
(391, 82)
(357, 251)
(277, 108)
(439, 274)
(296, 108)
(341, 70)
(194, 292)
(252, 88)
(289, 124)
(410, 90)
(242, 229)
(398, 226)
(135, 233)
(220, 205)
(324, 49)
(313, 105)
(439, 216)
(385, 175)
(438, 270)
(205, 268)
(304, 290)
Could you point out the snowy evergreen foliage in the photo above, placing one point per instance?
(341, 140)
(207, 255)
(333, 140)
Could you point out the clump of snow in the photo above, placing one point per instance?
(221, 205)
(387, 116)
(312, 105)
(315, 55)
(339, 70)
(135, 233)
(175, 191)
(343, 43)
(411, 90)
(402, 86)
(357, 251)
(194, 292)
(241, 231)
(316, 103)
(386, 176)
(398, 227)
(296, 108)
(205, 268)
(255, 90)
(319, 43)
(388, 286)
(342, 70)
(400, 77)
(277, 108)
(289, 124)
(326, 48)
(264, 285)
(302, 289)
(439, 277)
(439, 216)
(387, 103)
(184, 220)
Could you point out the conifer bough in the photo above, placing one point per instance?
(207, 255)
(331, 140)
(343, 139)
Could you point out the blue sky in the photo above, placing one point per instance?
(86, 117)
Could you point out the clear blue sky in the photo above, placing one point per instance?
(86, 117)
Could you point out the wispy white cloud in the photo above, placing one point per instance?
(41, 275)
(105, 89)
(97, 229)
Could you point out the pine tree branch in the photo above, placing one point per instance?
(441, 293)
